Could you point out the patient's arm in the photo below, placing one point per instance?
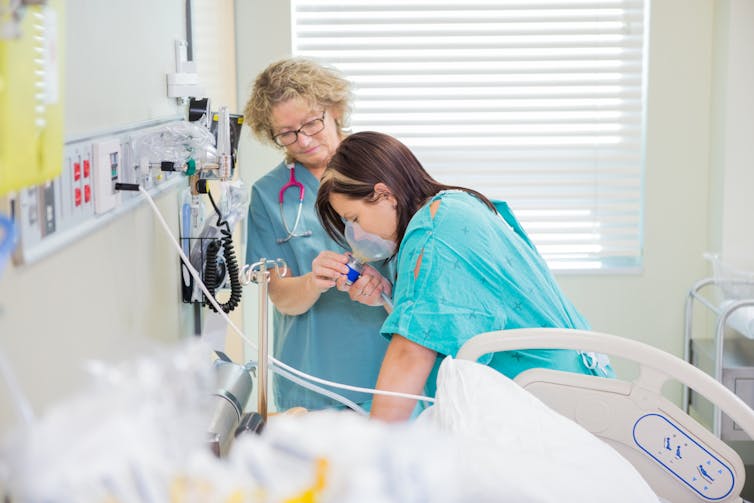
(405, 369)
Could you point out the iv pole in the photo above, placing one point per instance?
(259, 273)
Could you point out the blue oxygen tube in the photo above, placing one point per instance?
(187, 282)
(185, 226)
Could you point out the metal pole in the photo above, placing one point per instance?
(260, 274)
(722, 320)
(688, 311)
(688, 332)
(264, 277)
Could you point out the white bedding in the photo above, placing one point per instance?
(485, 439)
(520, 448)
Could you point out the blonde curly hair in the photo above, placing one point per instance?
(301, 78)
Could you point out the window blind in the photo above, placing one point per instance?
(536, 102)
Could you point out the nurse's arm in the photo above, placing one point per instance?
(405, 369)
(296, 295)
(292, 295)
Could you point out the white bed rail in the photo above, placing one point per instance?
(680, 459)
(657, 366)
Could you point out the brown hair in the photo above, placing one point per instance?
(300, 78)
(367, 158)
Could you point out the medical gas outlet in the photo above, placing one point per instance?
(184, 82)
(107, 163)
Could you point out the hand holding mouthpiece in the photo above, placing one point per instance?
(365, 247)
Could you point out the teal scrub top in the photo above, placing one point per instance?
(479, 273)
(336, 339)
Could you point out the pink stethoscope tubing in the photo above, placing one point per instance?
(292, 183)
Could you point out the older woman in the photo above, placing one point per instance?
(300, 107)
(465, 266)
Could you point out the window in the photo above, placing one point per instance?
(536, 102)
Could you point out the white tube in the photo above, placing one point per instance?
(349, 387)
(322, 391)
(340, 398)
(238, 331)
(387, 302)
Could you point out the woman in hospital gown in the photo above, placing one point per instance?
(300, 107)
(465, 266)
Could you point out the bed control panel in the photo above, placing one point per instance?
(684, 457)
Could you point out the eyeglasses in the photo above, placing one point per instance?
(309, 129)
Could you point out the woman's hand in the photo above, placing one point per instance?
(327, 268)
(368, 288)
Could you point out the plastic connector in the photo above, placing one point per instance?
(127, 186)
(190, 167)
(201, 186)
(250, 423)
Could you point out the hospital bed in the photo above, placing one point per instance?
(680, 459)
(149, 422)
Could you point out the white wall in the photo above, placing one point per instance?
(117, 290)
(214, 50)
(732, 159)
(263, 35)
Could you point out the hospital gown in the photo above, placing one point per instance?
(336, 339)
(479, 272)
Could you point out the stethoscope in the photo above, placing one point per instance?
(292, 182)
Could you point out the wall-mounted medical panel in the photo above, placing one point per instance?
(31, 110)
(83, 197)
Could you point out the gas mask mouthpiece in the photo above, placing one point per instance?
(365, 247)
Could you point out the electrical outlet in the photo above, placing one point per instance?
(27, 213)
(106, 157)
(47, 193)
(87, 180)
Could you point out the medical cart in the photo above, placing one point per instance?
(728, 355)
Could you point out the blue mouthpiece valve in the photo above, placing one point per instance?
(354, 270)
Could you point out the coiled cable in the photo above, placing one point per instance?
(211, 279)
(214, 271)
